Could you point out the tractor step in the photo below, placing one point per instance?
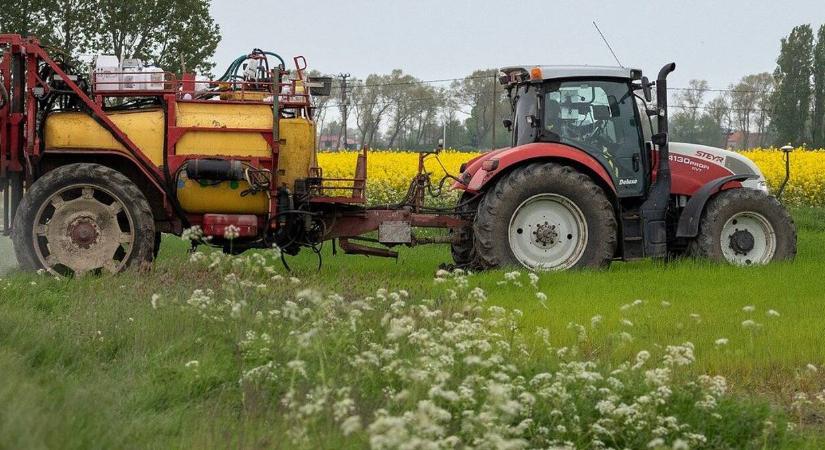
(632, 237)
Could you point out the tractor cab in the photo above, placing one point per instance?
(598, 110)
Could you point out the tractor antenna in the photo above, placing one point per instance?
(608, 44)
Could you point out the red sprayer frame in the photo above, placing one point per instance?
(336, 203)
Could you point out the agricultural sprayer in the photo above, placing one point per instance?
(96, 163)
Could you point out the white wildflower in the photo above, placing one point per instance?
(512, 276)
(772, 313)
(298, 366)
(541, 296)
(155, 301)
(194, 233)
(534, 279)
(720, 342)
(679, 355)
(192, 364)
(231, 232)
(749, 324)
(641, 359)
(351, 425)
(749, 308)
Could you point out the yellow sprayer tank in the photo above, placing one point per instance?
(72, 131)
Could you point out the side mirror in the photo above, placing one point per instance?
(659, 139)
(508, 124)
(646, 89)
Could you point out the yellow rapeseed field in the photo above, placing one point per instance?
(807, 184)
(390, 172)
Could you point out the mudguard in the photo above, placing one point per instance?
(689, 220)
(477, 177)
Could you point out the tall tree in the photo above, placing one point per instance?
(688, 105)
(67, 24)
(25, 17)
(745, 99)
(173, 34)
(717, 125)
(401, 90)
(764, 87)
(792, 98)
(476, 93)
(370, 104)
(818, 119)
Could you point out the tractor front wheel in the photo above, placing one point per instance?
(545, 216)
(745, 227)
(83, 218)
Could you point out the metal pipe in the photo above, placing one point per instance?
(787, 157)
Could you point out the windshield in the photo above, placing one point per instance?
(593, 115)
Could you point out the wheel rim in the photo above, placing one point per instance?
(548, 232)
(748, 239)
(83, 228)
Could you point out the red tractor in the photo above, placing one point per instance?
(96, 163)
(590, 178)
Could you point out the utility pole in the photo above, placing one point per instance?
(344, 105)
(495, 103)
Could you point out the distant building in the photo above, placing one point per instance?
(736, 140)
(333, 142)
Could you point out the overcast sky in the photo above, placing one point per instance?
(716, 40)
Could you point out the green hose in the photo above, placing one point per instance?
(236, 64)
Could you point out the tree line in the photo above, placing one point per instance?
(783, 107)
(177, 35)
(398, 110)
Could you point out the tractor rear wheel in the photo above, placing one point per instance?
(745, 227)
(545, 216)
(463, 249)
(83, 218)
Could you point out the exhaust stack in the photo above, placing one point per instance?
(654, 209)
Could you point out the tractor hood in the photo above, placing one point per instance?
(696, 157)
(693, 165)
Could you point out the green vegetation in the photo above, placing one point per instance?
(90, 363)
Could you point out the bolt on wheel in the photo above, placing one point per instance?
(548, 232)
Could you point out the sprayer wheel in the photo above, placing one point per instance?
(83, 218)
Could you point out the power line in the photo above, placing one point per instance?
(362, 83)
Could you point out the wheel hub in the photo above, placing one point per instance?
(546, 235)
(741, 242)
(83, 232)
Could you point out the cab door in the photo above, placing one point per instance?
(599, 117)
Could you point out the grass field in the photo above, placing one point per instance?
(89, 363)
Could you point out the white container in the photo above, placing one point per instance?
(154, 77)
(131, 75)
(106, 73)
(133, 79)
